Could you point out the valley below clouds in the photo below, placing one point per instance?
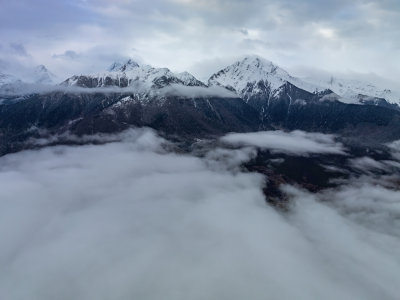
(135, 219)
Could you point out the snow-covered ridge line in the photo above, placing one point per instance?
(351, 89)
(36, 80)
(130, 73)
(253, 76)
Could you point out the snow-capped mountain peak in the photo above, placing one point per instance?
(123, 66)
(189, 80)
(352, 90)
(257, 64)
(42, 75)
(254, 75)
(131, 73)
(251, 68)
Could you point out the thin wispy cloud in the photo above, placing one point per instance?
(295, 142)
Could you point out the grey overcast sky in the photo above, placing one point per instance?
(201, 36)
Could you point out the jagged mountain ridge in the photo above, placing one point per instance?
(353, 90)
(131, 73)
(254, 76)
(39, 76)
(250, 77)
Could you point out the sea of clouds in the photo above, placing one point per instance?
(131, 220)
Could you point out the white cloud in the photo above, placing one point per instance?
(367, 164)
(295, 142)
(130, 220)
(136, 88)
(395, 147)
(195, 91)
(368, 204)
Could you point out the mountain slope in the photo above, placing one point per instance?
(90, 113)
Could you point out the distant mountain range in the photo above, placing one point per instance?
(251, 94)
(38, 76)
(131, 73)
(245, 77)
(253, 74)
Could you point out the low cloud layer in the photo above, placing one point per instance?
(130, 220)
(395, 147)
(195, 91)
(137, 88)
(295, 142)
